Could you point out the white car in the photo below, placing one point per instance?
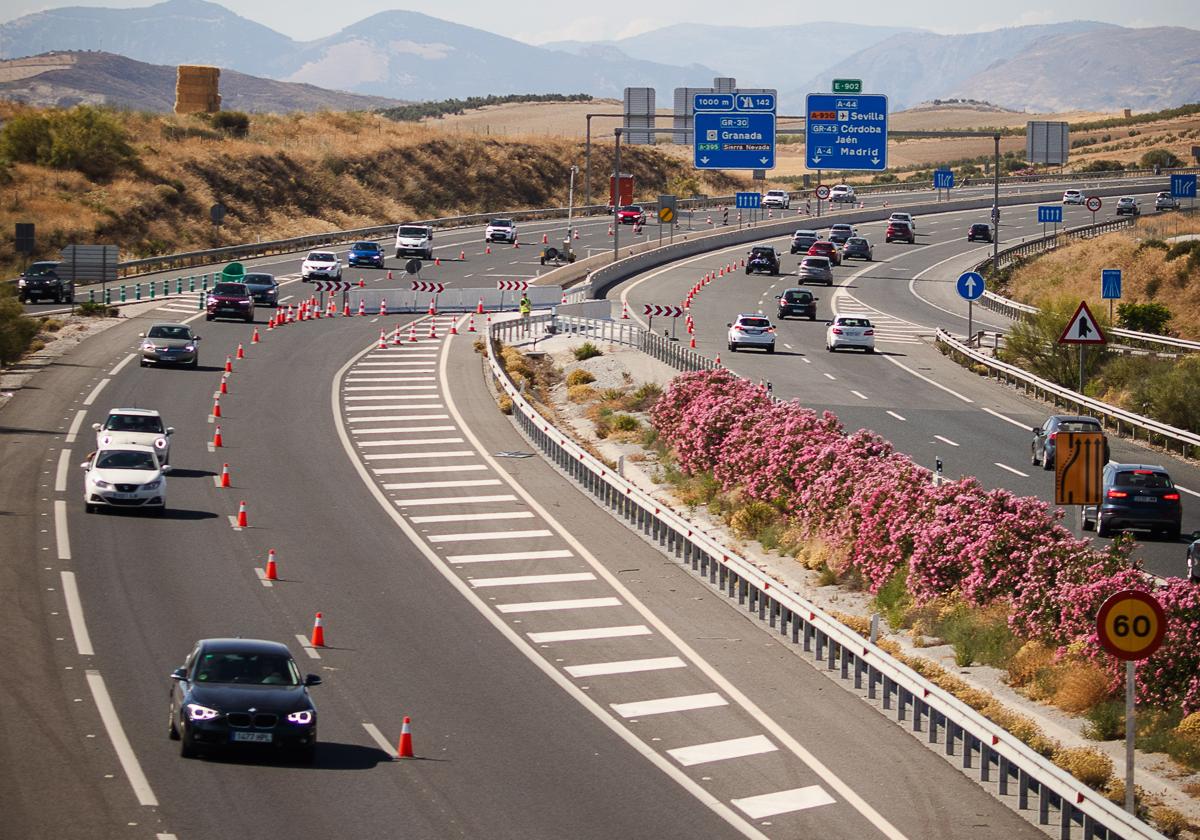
(843, 193)
(414, 241)
(126, 476)
(500, 230)
(904, 217)
(777, 199)
(848, 331)
(1073, 197)
(140, 426)
(752, 330)
(321, 265)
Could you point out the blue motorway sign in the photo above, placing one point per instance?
(748, 200)
(1183, 186)
(712, 102)
(1110, 283)
(943, 179)
(846, 131)
(734, 140)
(1050, 214)
(970, 285)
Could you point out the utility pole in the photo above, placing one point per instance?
(616, 197)
(587, 164)
(996, 208)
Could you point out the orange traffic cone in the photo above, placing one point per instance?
(217, 438)
(228, 364)
(254, 338)
(396, 336)
(389, 275)
(318, 632)
(405, 748)
(382, 340)
(241, 353)
(610, 230)
(564, 299)
(216, 409)
(437, 261)
(346, 313)
(362, 284)
(471, 323)
(241, 520)
(432, 307)
(225, 476)
(462, 256)
(433, 329)
(479, 307)
(516, 244)
(224, 383)
(693, 343)
(382, 308)
(270, 326)
(453, 328)
(625, 310)
(272, 570)
(718, 360)
(362, 307)
(412, 332)
(545, 239)
(577, 234)
(487, 249)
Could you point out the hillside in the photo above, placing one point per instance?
(297, 174)
(98, 78)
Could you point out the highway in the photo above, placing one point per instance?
(907, 392)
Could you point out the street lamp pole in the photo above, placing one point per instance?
(996, 208)
(571, 200)
(616, 198)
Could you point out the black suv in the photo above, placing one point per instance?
(41, 280)
(762, 258)
(1041, 450)
(1139, 496)
(980, 231)
(799, 302)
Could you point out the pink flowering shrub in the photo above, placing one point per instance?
(881, 513)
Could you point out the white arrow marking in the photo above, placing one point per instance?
(704, 160)
(875, 160)
(763, 160)
(816, 160)
(970, 284)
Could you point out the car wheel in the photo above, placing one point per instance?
(829, 348)
(1173, 533)
(208, 317)
(195, 362)
(812, 317)
(1047, 464)
(1086, 524)
(249, 319)
(87, 508)
(1033, 458)
(187, 747)
(144, 363)
(870, 349)
(747, 271)
(770, 348)
(1103, 529)
(172, 729)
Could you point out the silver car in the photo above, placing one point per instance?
(815, 270)
(170, 344)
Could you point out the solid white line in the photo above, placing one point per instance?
(897, 416)
(416, 456)
(722, 750)
(454, 500)
(60, 475)
(116, 734)
(121, 364)
(75, 424)
(398, 430)
(501, 556)
(393, 397)
(389, 379)
(625, 666)
(83, 641)
(378, 738)
(439, 468)
(666, 705)
(393, 418)
(1185, 490)
(1016, 423)
(429, 485)
(859, 394)
(1011, 470)
(830, 377)
(531, 580)
(945, 440)
(61, 537)
(472, 517)
(162, 835)
(307, 645)
(398, 362)
(393, 388)
(491, 535)
(548, 606)
(784, 801)
(417, 442)
(91, 398)
(395, 407)
(949, 391)
(590, 633)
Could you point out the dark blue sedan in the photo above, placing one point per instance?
(365, 253)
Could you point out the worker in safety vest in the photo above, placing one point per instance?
(526, 308)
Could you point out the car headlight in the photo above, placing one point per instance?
(152, 485)
(190, 348)
(197, 712)
(101, 483)
(303, 717)
(149, 345)
(21, 283)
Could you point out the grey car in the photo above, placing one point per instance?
(802, 240)
(264, 288)
(170, 344)
(1193, 557)
(1165, 201)
(859, 248)
(815, 270)
(1043, 446)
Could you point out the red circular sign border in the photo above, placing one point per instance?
(1095, 198)
(822, 188)
(1110, 603)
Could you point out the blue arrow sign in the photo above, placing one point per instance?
(970, 285)
(1183, 186)
(734, 140)
(846, 132)
(748, 200)
(943, 179)
(1050, 214)
(1110, 283)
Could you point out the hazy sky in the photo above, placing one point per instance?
(538, 21)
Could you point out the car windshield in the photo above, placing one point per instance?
(247, 669)
(321, 257)
(815, 262)
(230, 289)
(755, 322)
(365, 246)
(125, 459)
(170, 331)
(1079, 426)
(259, 280)
(632, 208)
(853, 322)
(134, 423)
(805, 234)
(1143, 478)
(38, 269)
(413, 231)
(502, 223)
(797, 296)
(856, 242)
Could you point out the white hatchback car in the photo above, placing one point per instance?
(500, 230)
(321, 265)
(141, 426)
(1073, 197)
(843, 193)
(849, 331)
(125, 476)
(904, 217)
(752, 330)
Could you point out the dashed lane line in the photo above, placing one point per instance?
(116, 734)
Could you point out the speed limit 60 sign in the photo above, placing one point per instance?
(1131, 624)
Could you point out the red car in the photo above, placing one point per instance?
(631, 214)
(900, 231)
(825, 248)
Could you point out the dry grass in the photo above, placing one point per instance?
(1081, 687)
(1090, 766)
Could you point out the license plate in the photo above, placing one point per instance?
(255, 737)
(122, 495)
(1145, 498)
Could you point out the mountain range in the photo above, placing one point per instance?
(400, 54)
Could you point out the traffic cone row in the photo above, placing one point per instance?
(216, 441)
(396, 336)
(216, 409)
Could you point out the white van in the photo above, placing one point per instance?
(414, 241)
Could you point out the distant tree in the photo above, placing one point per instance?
(25, 138)
(1101, 166)
(233, 123)
(1144, 317)
(1033, 345)
(90, 141)
(1159, 157)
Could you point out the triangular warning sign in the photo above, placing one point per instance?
(1082, 328)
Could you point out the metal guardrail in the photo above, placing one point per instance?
(981, 746)
(1187, 442)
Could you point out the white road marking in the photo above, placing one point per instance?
(946, 440)
(262, 578)
(625, 666)
(722, 750)
(502, 556)
(392, 388)
(394, 418)
(357, 379)
(400, 430)
(1011, 470)
(308, 646)
(413, 456)
(454, 500)
(1189, 492)
(859, 394)
(1016, 423)
(490, 535)
(91, 398)
(83, 641)
(394, 407)
(429, 485)
(413, 442)
(949, 391)
(393, 397)
(233, 522)
(121, 364)
(830, 377)
(897, 416)
(116, 734)
(667, 705)
(164, 836)
(590, 633)
(61, 537)
(378, 738)
(75, 424)
(549, 606)
(472, 517)
(396, 362)
(532, 580)
(783, 802)
(440, 468)
(60, 475)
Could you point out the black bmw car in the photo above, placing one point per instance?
(239, 692)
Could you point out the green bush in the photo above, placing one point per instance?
(1144, 317)
(84, 138)
(1033, 345)
(579, 376)
(233, 123)
(1102, 166)
(625, 423)
(587, 350)
(1159, 157)
(1173, 395)
(893, 599)
(1105, 722)
(16, 331)
(26, 138)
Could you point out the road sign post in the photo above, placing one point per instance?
(822, 194)
(1093, 204)
(1049, 214)
(970, 288)
(1082, 329)
(734, 131)
(846, 132)
(943, 179)
(1131, 625)
(1110, 287)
